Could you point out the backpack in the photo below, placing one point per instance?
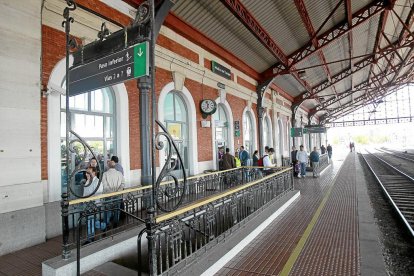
(260, 161)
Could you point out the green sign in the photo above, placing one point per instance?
(220, 70)
(237, 133)
(296, 132)
(124, 65)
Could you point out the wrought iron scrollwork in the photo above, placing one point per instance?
(143, 14)
(80, 156)
(167, 191)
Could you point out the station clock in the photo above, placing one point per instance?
(207, 107)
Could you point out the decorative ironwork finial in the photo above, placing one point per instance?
(104, 32)
(143, 14)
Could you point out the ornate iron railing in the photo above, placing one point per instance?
(108, 214)
(180, 234)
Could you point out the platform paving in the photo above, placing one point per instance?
(319, 235)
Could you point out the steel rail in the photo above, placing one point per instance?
(394, 153)
(390, 198)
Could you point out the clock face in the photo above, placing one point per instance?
(208, 106)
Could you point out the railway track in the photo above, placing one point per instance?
(397, 186)
(399, 154)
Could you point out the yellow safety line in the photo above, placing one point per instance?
(301, 244)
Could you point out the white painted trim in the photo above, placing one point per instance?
(248, 108)
(229, 115)
(281, 135)
(265, 118)
(53, 130)
(248, 239)
(192, 124)
(122, 129)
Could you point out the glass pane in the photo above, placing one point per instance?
(169, 107)
(97, 101)
(109, 127)
(247, 125)
(87, 125)
(219, 133)
(180, 110)
(79, 102)
(97, 148)
(110, 149)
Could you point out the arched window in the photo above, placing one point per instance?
(176, 122)
(248, 133)
(267, 132)
(92, 118)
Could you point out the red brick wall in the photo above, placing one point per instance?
(204, 135)
(101, 8)
(246, 84)
(177, 48)
(53, 50)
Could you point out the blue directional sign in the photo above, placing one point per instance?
(124, 65)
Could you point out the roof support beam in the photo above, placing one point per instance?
(331, 35)
(348, 11)
(364, 86)
(382, 53)
(248, 20)
(300, 6)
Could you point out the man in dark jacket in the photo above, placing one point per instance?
(228, 160)
(294, 160)
(314, 158)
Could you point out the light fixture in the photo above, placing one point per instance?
(302, 74)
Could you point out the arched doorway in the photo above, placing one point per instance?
(221, 132)
(267, 132)
(176, 122)
(249, 132)
(177, 110)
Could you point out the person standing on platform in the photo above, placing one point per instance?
(256, 158)
(350, 146)
(118, 166)
(323, 149)
(302, 157)
(243, 156)
(294, 160)
(314, 158)
(228, 160)
(329, 150)
(112, 181)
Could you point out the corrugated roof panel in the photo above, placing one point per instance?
(337, 50)
(314, 75)
(219, 24)
(361, 76)
(319, 10)
(393, 26)
(289, 84)
(282, 21)
(364, 36)
(357, 5)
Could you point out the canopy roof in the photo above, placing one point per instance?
(332, 56)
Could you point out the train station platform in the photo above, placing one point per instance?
(328, 230)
